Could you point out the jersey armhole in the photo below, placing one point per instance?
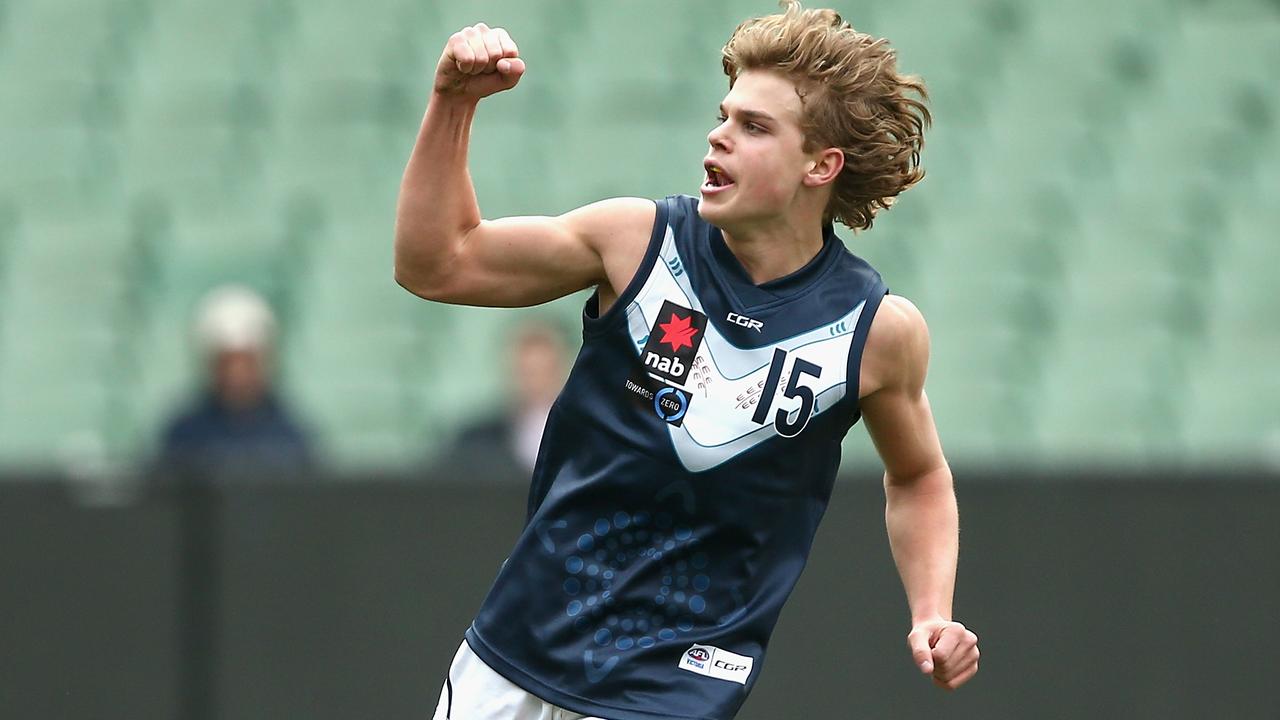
(853, 375)
(591, 324)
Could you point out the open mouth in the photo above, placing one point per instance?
(717, 178)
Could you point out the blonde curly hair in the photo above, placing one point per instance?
(853, 97)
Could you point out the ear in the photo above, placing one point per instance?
(824, 166)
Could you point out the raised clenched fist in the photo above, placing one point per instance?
(478, 61)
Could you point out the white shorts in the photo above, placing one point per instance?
(473, 691)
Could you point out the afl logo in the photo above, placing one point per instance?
(699, 654)
(670, 404)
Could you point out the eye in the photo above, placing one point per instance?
(754, 128)
(721, 118)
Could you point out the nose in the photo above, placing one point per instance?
(718, 138)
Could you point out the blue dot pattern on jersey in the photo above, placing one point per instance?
(677, 607)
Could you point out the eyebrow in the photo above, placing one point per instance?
(751, 114)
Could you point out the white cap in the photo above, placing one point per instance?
(234, 317)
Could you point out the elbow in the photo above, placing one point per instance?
(411, 277)
(426, 258)
(420, 273)
(407, 280)
(414, 274)
(930, 480)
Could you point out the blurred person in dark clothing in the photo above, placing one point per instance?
(236, 426)
(505, 445)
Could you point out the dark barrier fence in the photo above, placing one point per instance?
(1136, 598)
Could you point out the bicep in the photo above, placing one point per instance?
(519, 261)
(901, 426)
(897, 414)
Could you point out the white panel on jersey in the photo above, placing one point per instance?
(727, 381)
(717, 663)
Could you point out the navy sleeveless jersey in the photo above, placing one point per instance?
(682, 474)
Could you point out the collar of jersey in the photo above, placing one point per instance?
(747, 294)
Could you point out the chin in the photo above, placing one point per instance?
(725, 216)
(713, 212)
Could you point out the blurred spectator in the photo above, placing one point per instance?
(505, 445)
(237, 426)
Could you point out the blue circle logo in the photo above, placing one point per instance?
(670, 404)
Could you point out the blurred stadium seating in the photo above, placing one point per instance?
(1089, 245)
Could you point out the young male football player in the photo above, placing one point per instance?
(730, 344)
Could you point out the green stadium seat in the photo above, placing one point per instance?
(1091, 245)
(10, 230)
(1107, 404)
(47, 422)
(1233, 418)
(56, 103)
(226, 49)
(62, 335)
(65, 54)
(43, 167)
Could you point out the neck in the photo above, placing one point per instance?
(768, 253)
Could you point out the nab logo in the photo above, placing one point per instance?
(664, 365)
(745, 322)
(673, 342)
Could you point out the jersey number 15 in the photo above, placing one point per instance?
(795, 388)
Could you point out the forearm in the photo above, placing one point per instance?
(923, 525)
(437, 204)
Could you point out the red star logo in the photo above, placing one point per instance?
(678, 332)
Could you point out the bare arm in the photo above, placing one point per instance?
(920, 504)
(446, 251)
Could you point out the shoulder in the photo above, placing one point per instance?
(899, 324)
(619, 231)
(617, 209)
(897, 350)
(615, 227)
(606, 224)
